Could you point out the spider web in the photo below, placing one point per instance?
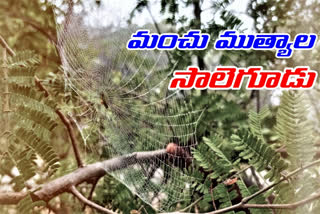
(129, 106)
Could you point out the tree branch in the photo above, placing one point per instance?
(157, 28)
(12, 197)
(243, 203)
(35, 25)
(284, 206)
(85, 174)
(99, 169)
(6, 46)
(72, 135)
(84, 200)
(291, 206)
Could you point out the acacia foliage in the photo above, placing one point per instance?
(228, 140)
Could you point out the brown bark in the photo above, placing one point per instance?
(85, 174)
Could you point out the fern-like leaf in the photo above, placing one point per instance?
(212, 159)
(225, 197)
(255, 121)
(42, 148)
(294, 128)
(24, 159)
(22, 59)
(259, 154)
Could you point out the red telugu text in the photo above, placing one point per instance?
(229, 77)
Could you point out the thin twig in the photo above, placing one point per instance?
(291, 206)
(258, 101)
(239, 172)
(6, 46)
(191, 205)
(94, 184)
(284, 178)
(157, 28)
(35, 25)
(256, 177)
(72, 135)
(212, 198)
(84, 200)
(284, 206)
(41, 87)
